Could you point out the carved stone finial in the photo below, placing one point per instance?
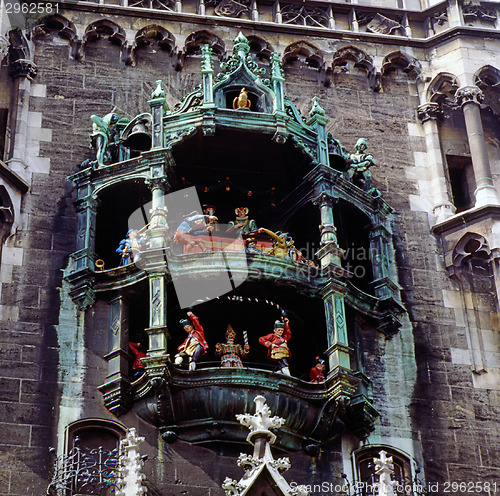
(469, 94)
(429, 111)
(207, 64)
(261, 421)
(129, 481)
(384, 468)
(241, 45)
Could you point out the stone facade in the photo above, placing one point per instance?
(435, 383)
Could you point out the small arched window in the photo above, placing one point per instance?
(89, 465)
(366, 478)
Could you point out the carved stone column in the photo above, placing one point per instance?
(380, 241)
(338, 351)
(443, 208)
(329, 253)
(115, 389)
(470, 98)
(86, 207)
(318, 122)
(22, 71)
(155, 266)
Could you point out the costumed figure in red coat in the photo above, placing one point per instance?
(316, 373)
(137, 366)
(194, 346)
(277, 345)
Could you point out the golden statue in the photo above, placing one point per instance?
(242, 101)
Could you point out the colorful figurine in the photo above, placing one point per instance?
(189, 230)
(277, 345)
(212, 219)
(130, 247)
(358, 171)
(137, 366)
(251, 247)
(283, 245)
(242, 222)
(230, 351)
(194, 346)
(242, 101)
(316, 373)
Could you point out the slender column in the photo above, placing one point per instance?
(495, 266)
(278, 80)
(22, 71)
(158, 104)
(380, 240)
(470, 98)
(329, 253)
(86, 207)
(117, 383)
(338, 351)
(429, 113)
(454, 14)
(155, 265)
(207, 71)
(318, 122)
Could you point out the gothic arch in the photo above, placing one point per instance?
(195, 41)
(361, 60)
(350, 53)
(469, 246)
(155, 34)
(442, 89)
(6, 214)
(400, 61)
(152, 35)
(105, 28)
(488, 79)
(304, 51)
(261, 48)
(58, 25)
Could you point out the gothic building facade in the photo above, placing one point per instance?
(310, 190)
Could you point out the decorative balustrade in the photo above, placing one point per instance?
(85, 471)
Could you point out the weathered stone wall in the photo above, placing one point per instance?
(49, 375)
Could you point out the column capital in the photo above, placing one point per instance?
(324, 199)
(157, 182)
(429, 111)
(469, 94)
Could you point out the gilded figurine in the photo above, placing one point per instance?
(130, 247)
(242, 101)
(358, 171)
(195, 345)
(283, 245)
(316, 372)
(242, 223)
(230, 351)
(277, 345)
(191, 228)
